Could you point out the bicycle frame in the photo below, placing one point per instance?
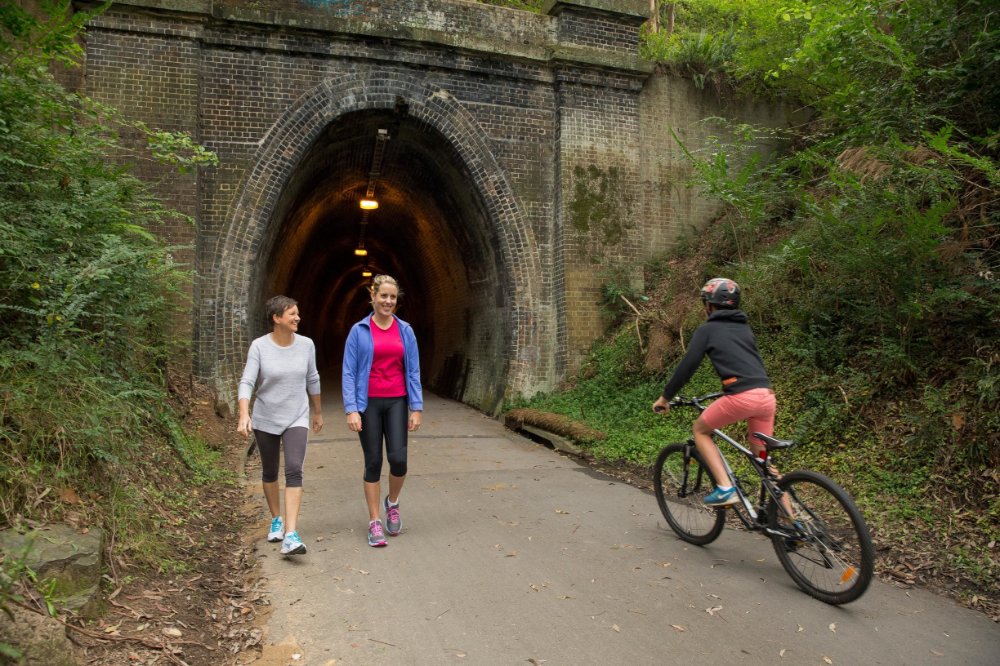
(767, 486)
(816, 530)
(751, 511)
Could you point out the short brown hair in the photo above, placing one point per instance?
(276, 306)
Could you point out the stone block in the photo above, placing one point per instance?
(64, 558)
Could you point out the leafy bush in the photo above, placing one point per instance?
(87, 292)
(869, 255)
(528, 5)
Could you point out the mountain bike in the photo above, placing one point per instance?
(817, 532)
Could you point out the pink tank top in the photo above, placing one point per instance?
(387, 378)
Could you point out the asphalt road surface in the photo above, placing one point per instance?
(512, 553)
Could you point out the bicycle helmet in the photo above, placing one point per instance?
(723, 293)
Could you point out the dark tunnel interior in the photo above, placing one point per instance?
(431, 231)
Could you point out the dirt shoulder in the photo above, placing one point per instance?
(211, 612)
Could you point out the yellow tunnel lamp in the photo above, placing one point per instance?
(369, 204)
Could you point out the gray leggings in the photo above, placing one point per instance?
(295, 454)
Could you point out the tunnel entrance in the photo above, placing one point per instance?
(431, 231)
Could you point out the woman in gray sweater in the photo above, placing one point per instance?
(282, 367)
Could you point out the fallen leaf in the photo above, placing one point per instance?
(565, 513)
(679, 628)
(833, 627)
(782, 653)
(69, 496)
(799, 628)
(172, 632)
(615, 628)
(828, 660)
(713, 610)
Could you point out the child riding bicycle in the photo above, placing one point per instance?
(730, 345)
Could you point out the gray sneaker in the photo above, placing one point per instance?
(393, 523)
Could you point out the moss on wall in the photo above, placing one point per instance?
(600, 205)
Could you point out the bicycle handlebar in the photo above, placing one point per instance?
(694, 401)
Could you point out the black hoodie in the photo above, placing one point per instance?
(727, 339)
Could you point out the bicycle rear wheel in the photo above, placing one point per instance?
(831, 555)
(681, 480)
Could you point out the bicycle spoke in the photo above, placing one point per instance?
(829, 552)
(681, 482)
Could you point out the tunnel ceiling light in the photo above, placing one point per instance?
(369, 204)
(360, 252)
(366, 273)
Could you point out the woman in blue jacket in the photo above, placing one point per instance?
(383, 400)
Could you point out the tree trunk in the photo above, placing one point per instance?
(654, 16)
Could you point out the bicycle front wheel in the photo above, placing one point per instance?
(829, 551)
(681, 480)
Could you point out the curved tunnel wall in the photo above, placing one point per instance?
(429, 232)
(445, 228)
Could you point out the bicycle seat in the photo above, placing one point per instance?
(773, 443)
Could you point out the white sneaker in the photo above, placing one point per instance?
(277, 532)
(292, 545)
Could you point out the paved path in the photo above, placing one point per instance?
(514, 554)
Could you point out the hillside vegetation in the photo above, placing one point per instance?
(870, 257)
(89, 432)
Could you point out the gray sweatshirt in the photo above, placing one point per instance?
(285, 378)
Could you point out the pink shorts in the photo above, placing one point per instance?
(756, 407)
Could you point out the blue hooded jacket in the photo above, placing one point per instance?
(359, 351)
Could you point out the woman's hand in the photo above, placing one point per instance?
(243, 426)
(415, 418)
(661, 406)
(317, 422)
(354, 421)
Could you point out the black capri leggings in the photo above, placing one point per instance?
(295, 454)
(384, 417)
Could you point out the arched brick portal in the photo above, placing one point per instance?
(474, 293)
(535, 150)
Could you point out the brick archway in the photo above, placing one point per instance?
(252, 215)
